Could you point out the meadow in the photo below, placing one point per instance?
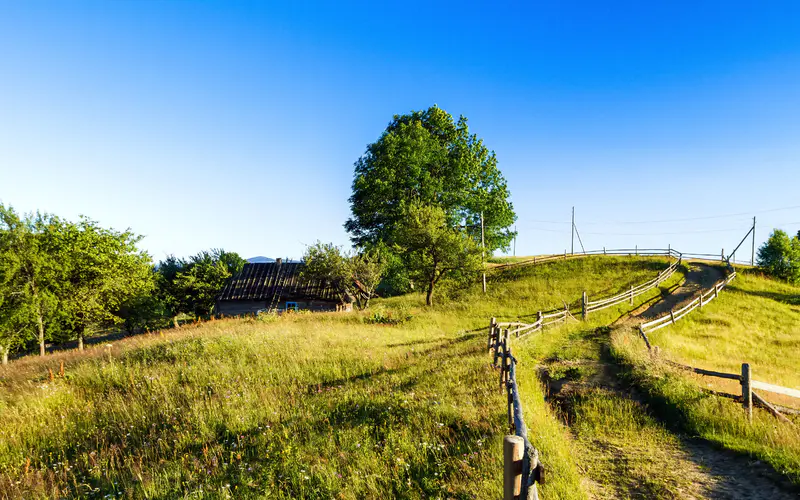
(397, 401)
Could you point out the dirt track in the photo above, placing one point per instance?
(703, 470)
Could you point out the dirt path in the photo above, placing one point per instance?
(627, 452)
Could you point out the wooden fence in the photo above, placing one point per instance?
(748, 397)
(703, 299)
(636, 251)
(588, 306)
(522, 469)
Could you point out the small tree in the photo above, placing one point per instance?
(202, 277)
(367, 269)
(434, 251)
(102, 270)
(326, 263)
(15, 315)
(30, 240)
(168, 290)
(352, 276)
(779, 256)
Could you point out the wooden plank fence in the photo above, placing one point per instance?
(745, 378)
(641, 252)
(588, 306)
(522, 469)
(702, 300)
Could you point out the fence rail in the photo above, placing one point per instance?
(642, 252)
(588, 306)
(703, 299)
(522, 469)
(745, 379)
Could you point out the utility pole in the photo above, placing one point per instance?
(483, 255)
(572, 243)
(753, 251)
(515, 240)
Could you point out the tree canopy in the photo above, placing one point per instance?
(779, 256)
(427, 157)
(62, 280)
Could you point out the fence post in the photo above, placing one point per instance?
(716, 290)
(491, 332)
(636, 249)
(631, 294)
(539, 317)
(747, 392)
(672, 316)
(496, 346)
(604, 250)
(722, 255)
(510, 394)
(513, 450)
(644, 336)
(701, 299)
(584, 312)
(504, 361)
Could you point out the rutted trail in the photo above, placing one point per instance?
(625, 449)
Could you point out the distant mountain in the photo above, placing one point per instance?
(260, 260)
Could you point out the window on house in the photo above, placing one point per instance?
(291, 306)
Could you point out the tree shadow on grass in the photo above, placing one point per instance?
(785, 298)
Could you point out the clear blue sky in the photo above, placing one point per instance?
(236, 124)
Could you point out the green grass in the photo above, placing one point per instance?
(755, 319)
(305, 406)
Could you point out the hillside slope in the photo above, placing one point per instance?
(305, 406)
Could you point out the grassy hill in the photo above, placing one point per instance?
(396, 402)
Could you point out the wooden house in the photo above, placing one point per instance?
(277, 286)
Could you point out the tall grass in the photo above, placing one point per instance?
(304, 406)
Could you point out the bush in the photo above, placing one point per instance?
(383, 316)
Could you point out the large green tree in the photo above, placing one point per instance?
(779, 256)
(427, 157)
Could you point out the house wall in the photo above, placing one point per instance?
(239, 307)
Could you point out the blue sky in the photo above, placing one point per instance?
(236, 124)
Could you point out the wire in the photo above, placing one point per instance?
(671, 233)
(639, 234)
(697, 218)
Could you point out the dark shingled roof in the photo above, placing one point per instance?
(258, 281)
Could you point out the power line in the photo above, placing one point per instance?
(636, 234)
(697, 218)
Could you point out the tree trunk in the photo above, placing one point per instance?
(80, 341)
(40, 321)
(429, 297)
(175, 321)
(5, 354)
